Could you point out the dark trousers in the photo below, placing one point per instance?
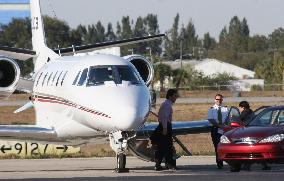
(164, 146)
(216, 139)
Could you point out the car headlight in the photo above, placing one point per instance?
(224, 139)
(274, 138)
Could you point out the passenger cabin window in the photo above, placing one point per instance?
(83, 77)
(98, 75)
(54, 78)
(76, 79)
(49, 78)
(43, 81)
(58, 78)
(63, 78)
(39, 78)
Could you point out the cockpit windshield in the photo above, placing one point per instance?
(98, 75)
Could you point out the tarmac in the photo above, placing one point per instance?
(189, 168)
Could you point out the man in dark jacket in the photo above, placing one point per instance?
(246, 113)
(246, 116)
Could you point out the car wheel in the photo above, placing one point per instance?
(235, 167)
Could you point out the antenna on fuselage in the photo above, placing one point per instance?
(59, 52)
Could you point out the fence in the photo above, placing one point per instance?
(232, 88)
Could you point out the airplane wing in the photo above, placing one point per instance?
(179, 128)
(141, 146)
(103, 45)
(24, 54)
(17, 53)
(26, 132)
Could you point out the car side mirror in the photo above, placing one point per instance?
(235, 124)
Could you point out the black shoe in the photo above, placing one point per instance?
(220, 165)
(246, 166)
(158, 168)
(266, 167)
(170, 167)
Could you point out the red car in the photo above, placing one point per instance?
(261, 140)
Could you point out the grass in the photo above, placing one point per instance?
(198, 144)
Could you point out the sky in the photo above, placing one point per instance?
(263, 16)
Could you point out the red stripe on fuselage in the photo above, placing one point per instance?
(62, 102)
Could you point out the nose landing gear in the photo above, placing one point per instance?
(121, 163)
(118, 142)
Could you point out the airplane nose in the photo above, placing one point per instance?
(129, 114)
(128, 118)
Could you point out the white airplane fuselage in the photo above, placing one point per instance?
(66, 101)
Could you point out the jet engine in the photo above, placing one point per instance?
(143, 66)
(9, 76)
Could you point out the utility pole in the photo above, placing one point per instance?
(180, 56)
(150, 53)
(283, 80)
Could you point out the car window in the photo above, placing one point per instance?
(280, 118)
(259, 110)
(270, 117)
(263, 120)
(233, 115)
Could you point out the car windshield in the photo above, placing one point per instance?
(269, 117)
(98, 75)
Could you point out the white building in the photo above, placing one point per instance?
(213, 67)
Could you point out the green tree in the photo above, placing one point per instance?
(81, 30)
(209, 43)
(152, 28)
(172, 41)
(110, 35)
(126, 33)
(118, 30)
(90, 37)
(17, 34)
(189, 38)
(100, 32)
(276, 39)
(57, 32)
(139, 31)
(258, 43)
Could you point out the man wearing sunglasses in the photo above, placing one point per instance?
(216, 116)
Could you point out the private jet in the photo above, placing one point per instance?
(79, 97)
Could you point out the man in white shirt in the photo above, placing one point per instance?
(164, 131)
(217, 116)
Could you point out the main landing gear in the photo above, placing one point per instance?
(118, 142)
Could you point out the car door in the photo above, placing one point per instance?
(233, 119)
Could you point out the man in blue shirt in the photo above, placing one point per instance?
(217, 115)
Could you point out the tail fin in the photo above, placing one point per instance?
(44, 54)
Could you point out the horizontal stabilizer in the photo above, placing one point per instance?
(103, 45)
(25, 107)
(17, 53)
(27, 132)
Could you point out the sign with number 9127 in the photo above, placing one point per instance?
(34, 148)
